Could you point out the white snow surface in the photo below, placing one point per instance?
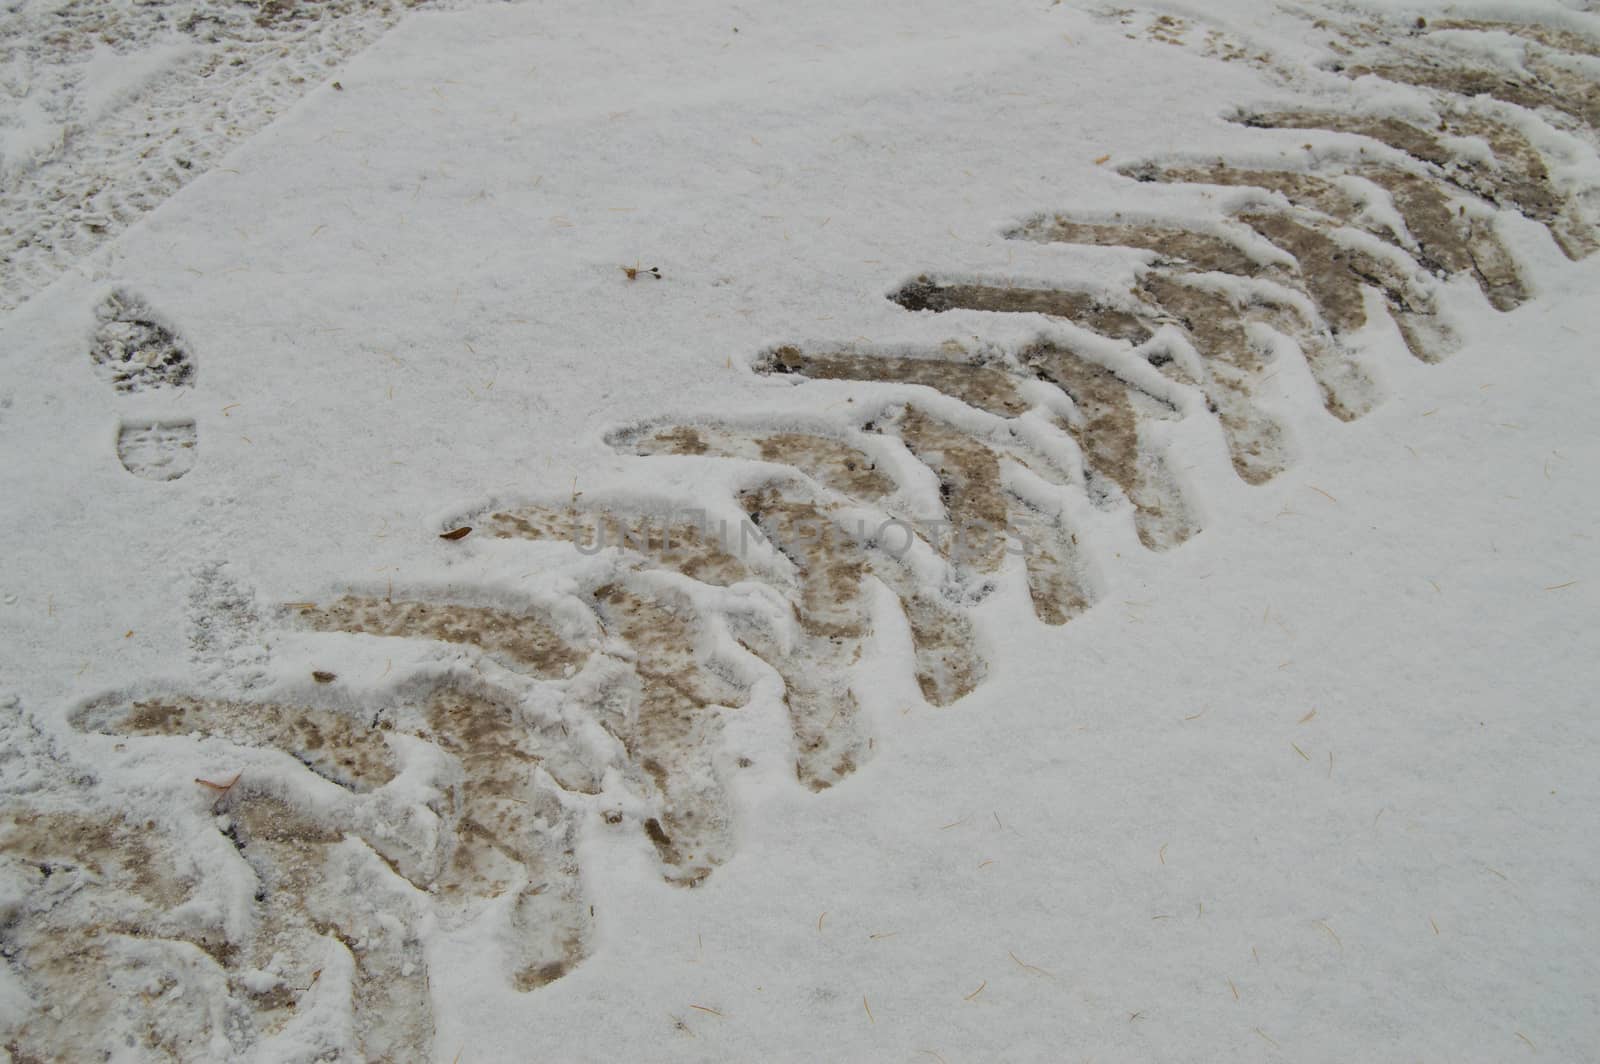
(1317, 785)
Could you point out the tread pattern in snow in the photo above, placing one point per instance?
(459, 789)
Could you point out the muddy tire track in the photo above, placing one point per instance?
(456, 790)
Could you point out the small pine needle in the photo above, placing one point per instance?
(821, 918)
(1307, 718)
(976, 992)
(1268, 1038)
(1433, 925)
(1234, 989)
(1525, 1038)
(1030, 967)
(1301, 752)
(1331, 934)
(1161, 854)
(706, 1008)
(868, 1008)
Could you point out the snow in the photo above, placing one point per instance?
(27, 134)
(1317, 784)
(111, 79)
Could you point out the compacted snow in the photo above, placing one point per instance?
(1266, 330)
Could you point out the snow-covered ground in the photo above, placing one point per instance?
(1312, 780)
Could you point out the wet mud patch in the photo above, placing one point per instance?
(831, 462)
(333, 745)
(1335, 274)
(669, 541)
(1084, 308)
(830, 738)
(984, 387)
(986, 522)
(1547, 36)
(832, 563)
(1197, 251)
(134, 350)
(313, 885)
(1057, 583)
(510, 830)
(1550, 88)
(524, 640)
(157, 450)
(675, 728)
(1107, 431)
(505, 830)
(695, 548)
(1215, 325)
(969, 484)
(1447, 240)
(1301, 189)
(1518, 177)
(91, 930)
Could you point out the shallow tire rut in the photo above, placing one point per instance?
(457, 789)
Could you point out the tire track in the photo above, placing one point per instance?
(459, 789)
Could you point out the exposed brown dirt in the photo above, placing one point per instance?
(1215, 326)
(1108, 435)
(1549, 37)
(504, 829)
(832, 565)
(526, 640)
(1202, 252)
(1334, 274)
(1518, 178)
(1448, 241)
(1055, 584)
(686, 546)
(296, 858)
(95, 920)
(980, 386)
(674, 729)
(82, 946)
(1553, 88)
(333, 745)
(827, 460)
(1302, 189)
(969, 483)
(830, 740)
(1084, 308)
